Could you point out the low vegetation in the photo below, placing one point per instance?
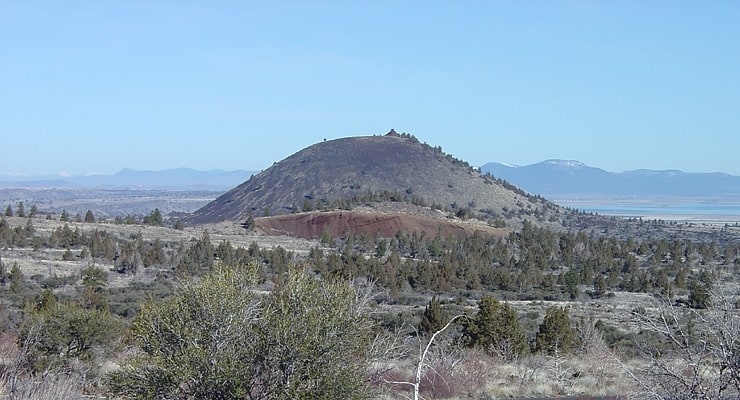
(149, 311)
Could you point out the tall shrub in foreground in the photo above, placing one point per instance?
(219, 339)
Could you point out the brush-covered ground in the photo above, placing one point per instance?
(614, 287)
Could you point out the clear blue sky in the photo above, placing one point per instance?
(96, 86)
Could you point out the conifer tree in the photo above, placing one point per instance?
(600, 286)
(89, 216)
(17, 280)
(496, 329)
(9, 211)
(699, 295)
(434, 318)
(3, 272)
(556, 333)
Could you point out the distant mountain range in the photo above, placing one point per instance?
(547, 178)
(178, 178)
(568, 177)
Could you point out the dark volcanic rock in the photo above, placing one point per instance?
(344, 168)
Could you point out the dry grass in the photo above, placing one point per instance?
(17, 383)
(42, 387)
(475, 375)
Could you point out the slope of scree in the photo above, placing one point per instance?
(343, 168)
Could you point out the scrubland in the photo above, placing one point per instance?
(654, 316)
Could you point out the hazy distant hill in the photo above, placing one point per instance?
(179, 178)
(340, 169)
(567, 177)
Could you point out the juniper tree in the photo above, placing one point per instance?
(89, 216)
(3, 272)
(154, 218)
(556, 333)
(434, 318)
(496, 329)
(16, 279)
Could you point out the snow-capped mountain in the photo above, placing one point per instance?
(569, 177)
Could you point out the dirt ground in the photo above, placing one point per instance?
(313, 225)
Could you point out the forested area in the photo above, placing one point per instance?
(71, 325)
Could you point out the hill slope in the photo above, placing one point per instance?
(336, 170)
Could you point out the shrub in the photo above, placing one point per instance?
(218, 338)
(54, 334)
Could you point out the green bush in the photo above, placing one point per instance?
(53, 335)
(219, 339)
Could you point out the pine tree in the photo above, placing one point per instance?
(434, 318)
(21, 212)
(89, 216)
(9, 211)
(65, 216)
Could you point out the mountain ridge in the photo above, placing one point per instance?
(550, 177)
(175, 178)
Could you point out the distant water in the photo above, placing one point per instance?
(684, 211)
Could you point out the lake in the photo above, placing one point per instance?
(684, 210)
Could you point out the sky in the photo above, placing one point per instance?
(91, 87)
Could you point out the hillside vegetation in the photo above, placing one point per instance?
(403, 273)
(58, 273)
